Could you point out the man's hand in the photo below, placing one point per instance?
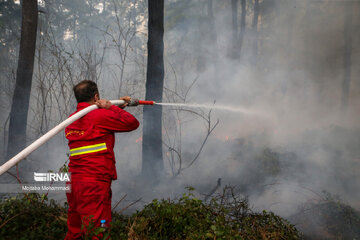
(103, 103)
(127, 100)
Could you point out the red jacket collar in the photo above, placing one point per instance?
(82, 105)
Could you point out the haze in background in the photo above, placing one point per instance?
(301, 141)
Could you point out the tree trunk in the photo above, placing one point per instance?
(208, 37)
(234, 52)
(213, 37)
(21, 97)
(255, 32)
(152, 155)
(242, 25)
(348, 13)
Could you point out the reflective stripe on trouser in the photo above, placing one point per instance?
(88, 149)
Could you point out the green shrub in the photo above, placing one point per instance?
(32, 217)
(225, 217)
(328, 218)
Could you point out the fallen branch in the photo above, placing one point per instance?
(119, 202)
(131, 204)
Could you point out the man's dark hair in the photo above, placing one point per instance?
(85, 91)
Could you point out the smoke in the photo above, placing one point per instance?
(299, 143)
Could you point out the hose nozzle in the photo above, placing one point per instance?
(136, 102)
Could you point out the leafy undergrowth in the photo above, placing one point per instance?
(32, 217)
(225, 217)
(328, 218)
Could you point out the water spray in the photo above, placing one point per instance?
(133, 102)
(47, 136)
(212, 106)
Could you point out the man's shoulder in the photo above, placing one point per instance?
(101, 114)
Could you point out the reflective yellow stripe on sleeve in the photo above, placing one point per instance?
(88, 149)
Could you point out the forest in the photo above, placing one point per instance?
(254, 133)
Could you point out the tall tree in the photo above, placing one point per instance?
(21, 97)
(210, 12)
(152, 155)
(206, 47)
(348, 14)
(255, 31)
(234, 23)
(242, 24)
(237, 38)
(212, 28)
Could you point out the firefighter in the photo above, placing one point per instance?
(92, 162)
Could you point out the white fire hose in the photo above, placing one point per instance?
(43, 139)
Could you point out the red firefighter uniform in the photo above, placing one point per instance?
(92, 164)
